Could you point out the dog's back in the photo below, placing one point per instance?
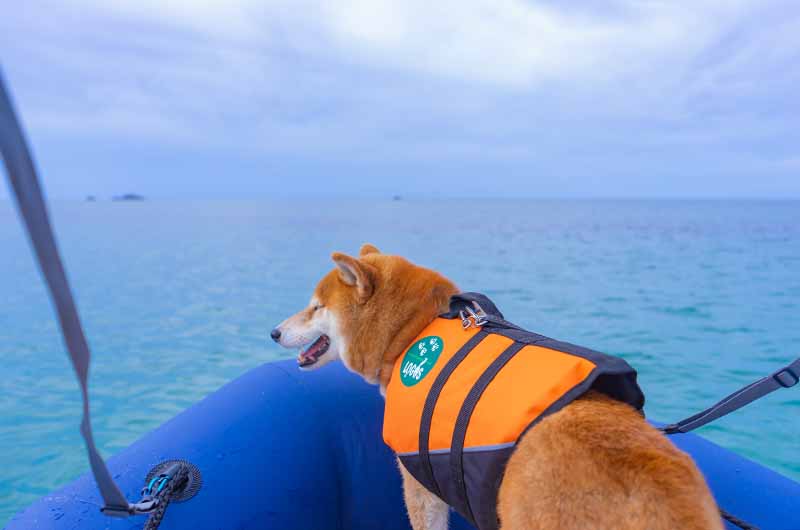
(598, 464)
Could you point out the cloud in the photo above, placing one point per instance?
(612, 86)
(512, 43)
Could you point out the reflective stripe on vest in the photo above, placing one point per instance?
(459, 400)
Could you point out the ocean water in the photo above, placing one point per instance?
(178, 298)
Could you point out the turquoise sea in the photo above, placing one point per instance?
(178, 298)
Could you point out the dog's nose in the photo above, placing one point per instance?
(275, 334)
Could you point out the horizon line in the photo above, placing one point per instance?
(422, 197)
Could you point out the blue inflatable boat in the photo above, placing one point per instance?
(280, 448)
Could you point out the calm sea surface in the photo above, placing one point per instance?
(178, 298)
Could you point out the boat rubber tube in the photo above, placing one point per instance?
(280, 448)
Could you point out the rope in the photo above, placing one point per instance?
(175, 485)
(744, 525)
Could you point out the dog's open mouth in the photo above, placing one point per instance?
(316, 350)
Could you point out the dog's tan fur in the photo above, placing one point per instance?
(595, 464)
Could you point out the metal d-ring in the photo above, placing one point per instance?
(465, 323)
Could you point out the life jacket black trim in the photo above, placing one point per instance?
(462, 422)
(430, 405)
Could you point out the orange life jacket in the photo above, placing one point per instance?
(470, 385)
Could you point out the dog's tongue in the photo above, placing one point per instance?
(312, 354)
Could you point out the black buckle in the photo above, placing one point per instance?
(786, 378)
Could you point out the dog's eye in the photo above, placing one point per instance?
(317, 306)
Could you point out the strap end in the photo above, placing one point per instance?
(117, 511)
(674, 428)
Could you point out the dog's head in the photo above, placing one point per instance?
(364, 312)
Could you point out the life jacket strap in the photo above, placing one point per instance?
(430, 405)
(786, 377)
(462, 422)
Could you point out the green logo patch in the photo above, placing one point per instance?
(420, 359)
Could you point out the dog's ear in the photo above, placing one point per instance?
(356, 273)
(366, 248)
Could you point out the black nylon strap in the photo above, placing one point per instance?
(30, 202)
(462, 422)
(786, 377)
(735, 521)
(430, 405)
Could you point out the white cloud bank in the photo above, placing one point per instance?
(608, 84)
(511, 43)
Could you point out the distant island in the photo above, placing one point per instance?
(127, 197)
(91, 198)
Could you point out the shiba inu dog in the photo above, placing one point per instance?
(596, 463)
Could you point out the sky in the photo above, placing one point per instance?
(550, 98)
